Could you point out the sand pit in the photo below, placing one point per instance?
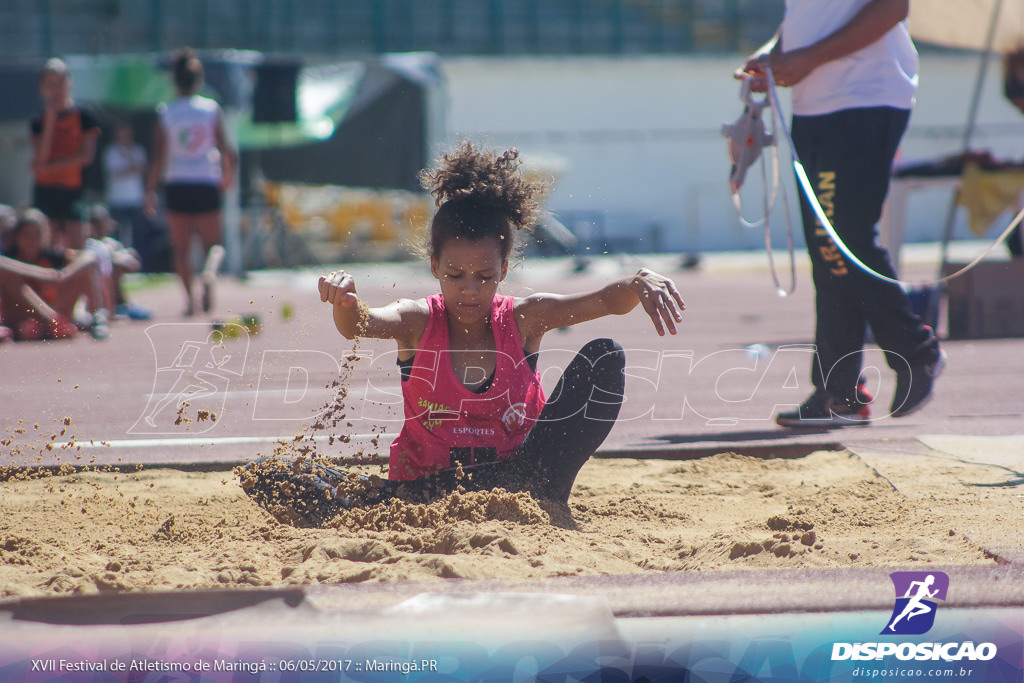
(163, 529)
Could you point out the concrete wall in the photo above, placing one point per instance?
(640, 145)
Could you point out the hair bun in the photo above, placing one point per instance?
(486, 179)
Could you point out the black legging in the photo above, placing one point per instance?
(574, 422)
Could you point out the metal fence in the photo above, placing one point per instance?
(33, 29)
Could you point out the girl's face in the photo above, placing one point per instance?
(469, 273)
(55, 89)
(30, 240)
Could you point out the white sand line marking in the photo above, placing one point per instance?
(212, 441)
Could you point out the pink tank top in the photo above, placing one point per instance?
(441, 414)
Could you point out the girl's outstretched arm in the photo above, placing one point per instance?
(658, 295)
(402, 320)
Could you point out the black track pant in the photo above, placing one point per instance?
(848, 157)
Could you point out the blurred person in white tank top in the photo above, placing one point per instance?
(192, 156)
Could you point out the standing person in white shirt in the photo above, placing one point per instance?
(852, 68)
(192, 154)
(124, 163)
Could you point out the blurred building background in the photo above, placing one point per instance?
(620, 101)
(355, 28)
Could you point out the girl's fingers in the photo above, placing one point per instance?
(337, 286)
(664, 305)
(657, 323)
(668, 312)
(653, 309)
(676, 295)
(325, 288)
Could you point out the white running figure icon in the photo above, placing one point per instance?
(915, 607)
(202, 377)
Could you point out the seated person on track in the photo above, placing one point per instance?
(40, 285)
(115, 261)
(476, 415)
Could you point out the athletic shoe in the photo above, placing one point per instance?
(82, 320)
(207, 296)
(915, 383)
(823, 410)
(99, 328)
(133, 311)
(210, 268)
(864, 397)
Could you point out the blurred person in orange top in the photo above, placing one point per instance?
(63, 143)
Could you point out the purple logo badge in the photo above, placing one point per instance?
(916, 593)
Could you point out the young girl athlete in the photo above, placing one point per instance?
(475, 413)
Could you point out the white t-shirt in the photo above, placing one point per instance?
(190, 125)
(883, 74)
(125, 189)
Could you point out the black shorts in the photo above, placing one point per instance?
(58, 203)
(192, 197)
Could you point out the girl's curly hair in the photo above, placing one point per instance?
(479, 194)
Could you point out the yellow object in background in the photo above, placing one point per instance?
(986, 194)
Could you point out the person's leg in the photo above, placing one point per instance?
(117, 273)
(209, 227)
(859, 204)
(15, 308)
(83, 280)
(45, 322)
(839, 327)
(143, 233)
(852, 164)
(575, 421)
(180, 226)
(31, 316)
(1015, 243)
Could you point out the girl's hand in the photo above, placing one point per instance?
(660, 298)
(338, 288)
